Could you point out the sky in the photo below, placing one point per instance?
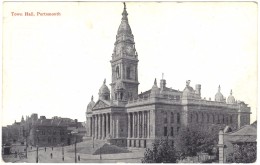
(53, 65)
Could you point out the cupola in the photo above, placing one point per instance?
(104, 92)
(231, 99)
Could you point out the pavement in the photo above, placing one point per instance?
(84, 150)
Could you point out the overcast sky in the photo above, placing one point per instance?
(53, 65)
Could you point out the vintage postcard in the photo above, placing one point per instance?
(131, 82)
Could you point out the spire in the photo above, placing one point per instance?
(22, 119)
(104, 82)
(219, 88)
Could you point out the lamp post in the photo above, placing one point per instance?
(37, 158)
(62, 152)
(75, 134)
(26, 135)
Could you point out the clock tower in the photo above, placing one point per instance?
(124, 64)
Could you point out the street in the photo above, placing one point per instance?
(134, 156)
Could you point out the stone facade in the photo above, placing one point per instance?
(40, 131)
(136, 120)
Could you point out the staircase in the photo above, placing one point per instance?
(86, 147)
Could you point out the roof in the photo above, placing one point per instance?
(245, 134)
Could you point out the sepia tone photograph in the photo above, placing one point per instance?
(129, 82)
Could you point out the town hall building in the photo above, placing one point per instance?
(128, 118)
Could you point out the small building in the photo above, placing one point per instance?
(41, 131)
(228, 138)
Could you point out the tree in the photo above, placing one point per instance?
(195, 139)
(243, 153)
(161, 152)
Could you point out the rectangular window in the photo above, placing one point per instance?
(171, 131)
(165, 118)
(165, 131)
(172, 117)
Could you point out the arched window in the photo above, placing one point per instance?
(128, 73)
(117, 72)
(208, 118)
(178, 118)
(121, 96)
(196, 117)
(49, 140)
(230, 119)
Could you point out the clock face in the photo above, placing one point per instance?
(129, 50)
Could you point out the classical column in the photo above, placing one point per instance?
(103, 126)
(138, 124)
(100, 126)
(133, 124)
(116, 126)
(128, 125)
(148, 127)
(143, 134)
(111, 125)
(93, 125)
(96, 125)
(107, 125)
(90, 126)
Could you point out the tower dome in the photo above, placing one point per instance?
(90, 105)
(104, 92)
(124, 27)
(231, 99)
(218, 96)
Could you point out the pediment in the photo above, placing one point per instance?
(100, 104)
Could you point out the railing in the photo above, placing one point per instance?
(168, 100)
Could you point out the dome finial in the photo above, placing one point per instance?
(155, 82)
(231, 92)
(92, 98)
(187, 83)
(219, 88)
(124, 6)
(124, 14)
(104, 82)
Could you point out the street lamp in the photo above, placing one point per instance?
(26, 135)
(37, 158)
(75, 134)
(62, 151)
